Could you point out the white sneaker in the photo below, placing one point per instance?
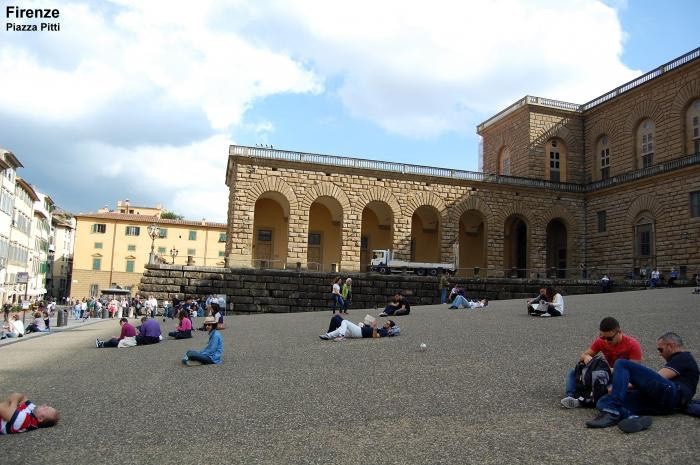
(570, 402)
(545, 315)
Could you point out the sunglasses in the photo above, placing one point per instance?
(610, 338)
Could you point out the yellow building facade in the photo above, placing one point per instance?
(111, 249)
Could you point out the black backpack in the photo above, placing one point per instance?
(592, 380)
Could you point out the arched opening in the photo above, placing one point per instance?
(603, 157)
(515, 247)
(325, 234)
(270, 231)
(377, 230)
(504, 162)
(425, 235)
(472, 244)
(556, 249)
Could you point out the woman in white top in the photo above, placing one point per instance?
(337, 297)
(554, 305)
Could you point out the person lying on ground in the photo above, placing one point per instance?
(397, 306)
(651, 392)
(17, 415)
(211, 354)
(346, 328)
(126, 338)
(461, 301)
(613, 344)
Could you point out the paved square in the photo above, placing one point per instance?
(486, 391)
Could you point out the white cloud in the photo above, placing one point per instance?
(414, 68)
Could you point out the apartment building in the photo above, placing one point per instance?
(112, 247)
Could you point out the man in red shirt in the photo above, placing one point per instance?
(17, 415)
(614, 345)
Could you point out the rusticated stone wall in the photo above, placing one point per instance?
(283, 291)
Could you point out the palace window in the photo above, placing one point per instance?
(98, 245)
(222, 237)
(695, 204)
(504, 162)
(193, 235)
(96, 264)
(602, 221)
(645, 143)
(162, 233)
(604, 151)
(130, 266)
(131, 247)
(191, 252)
(555, 151)
(693, 127)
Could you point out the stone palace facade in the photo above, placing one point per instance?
(613, 184)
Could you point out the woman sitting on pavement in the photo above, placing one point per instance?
(127, 337)
(552, 306)
(345, 328)
(184, 328)
(13, 328)
(211, 354)
(38, 325)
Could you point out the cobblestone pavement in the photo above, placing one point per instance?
(485, 391)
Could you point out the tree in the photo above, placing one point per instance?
(166, 215)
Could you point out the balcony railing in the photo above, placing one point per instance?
(475, 176)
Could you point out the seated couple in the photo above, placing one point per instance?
(13, 328)
(397, 307)
(461, 301)
(149, 333)
(340, 328)
(548, 303)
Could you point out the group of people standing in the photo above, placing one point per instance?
(342, 296)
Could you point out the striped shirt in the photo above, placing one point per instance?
(22, 420)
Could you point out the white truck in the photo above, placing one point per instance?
(384, 262)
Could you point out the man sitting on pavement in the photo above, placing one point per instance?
(651, 393)
(613, 344)
(127, 337)
(541, 298)
(397, 307)
(149, 332)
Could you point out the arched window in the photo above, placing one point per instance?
(504, 162)
(644, 242)
(693, 127)
(555, 156)
(603, 151)
(645, 143)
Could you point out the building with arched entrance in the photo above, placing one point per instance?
(613, 183)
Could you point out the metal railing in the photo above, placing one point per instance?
(421, 170)
(402, 168)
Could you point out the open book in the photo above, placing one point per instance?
(369, 319)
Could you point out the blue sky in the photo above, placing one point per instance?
(140, 100)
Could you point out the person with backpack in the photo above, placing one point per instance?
(661, 392)
(614, 345)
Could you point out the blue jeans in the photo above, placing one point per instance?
(460, 301)
(571, 383)
(443, 296)
(652, 395)
(199, 357)
(338, 302)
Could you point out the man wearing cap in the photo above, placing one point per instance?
(211, 354)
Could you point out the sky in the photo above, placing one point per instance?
(140, 100)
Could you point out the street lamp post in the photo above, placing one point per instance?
(173, 253)
(153, 232)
